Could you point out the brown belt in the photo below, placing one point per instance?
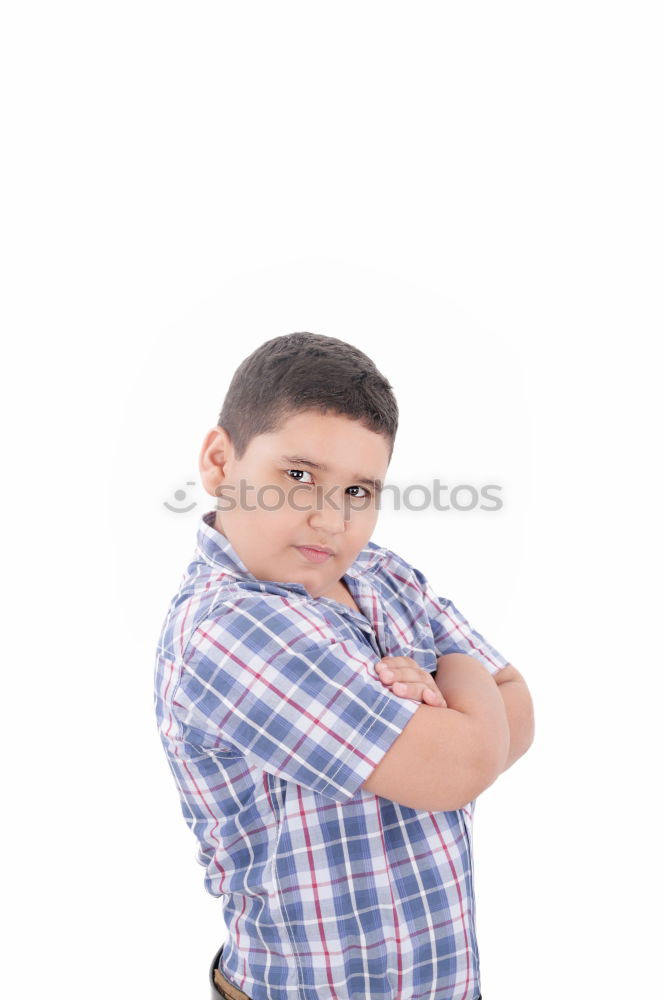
(220, 986)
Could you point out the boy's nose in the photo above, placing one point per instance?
(329, 511)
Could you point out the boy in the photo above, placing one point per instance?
(332, 806)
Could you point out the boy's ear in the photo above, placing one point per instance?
(216, 452)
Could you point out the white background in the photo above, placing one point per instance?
(471, 193)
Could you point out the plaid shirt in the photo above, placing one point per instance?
(272, 717)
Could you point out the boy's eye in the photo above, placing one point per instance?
(299, 473)
(362, 494)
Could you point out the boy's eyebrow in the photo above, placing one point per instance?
(321, 467)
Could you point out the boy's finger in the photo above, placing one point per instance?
(399, 661)
(407, 672)
(418, 692)
(435, 697)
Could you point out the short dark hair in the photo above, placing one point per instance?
(306, 371)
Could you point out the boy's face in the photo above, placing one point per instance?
(335, 507)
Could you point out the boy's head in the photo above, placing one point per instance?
(314, 398)
(306, 371)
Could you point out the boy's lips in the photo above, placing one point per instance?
(315, 553)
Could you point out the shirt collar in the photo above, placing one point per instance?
(217, 551)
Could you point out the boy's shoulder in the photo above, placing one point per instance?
(390, 567)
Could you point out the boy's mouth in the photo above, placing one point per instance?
(313, 554)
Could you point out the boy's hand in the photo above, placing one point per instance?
(407, 680)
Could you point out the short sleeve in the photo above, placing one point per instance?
(266, 680)
(453, 633)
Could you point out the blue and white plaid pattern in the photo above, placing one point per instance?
(272, 717)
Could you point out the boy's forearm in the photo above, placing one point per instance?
(514, 698)
(469, 688)
(520, 716)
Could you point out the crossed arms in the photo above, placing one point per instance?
(489, 725)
